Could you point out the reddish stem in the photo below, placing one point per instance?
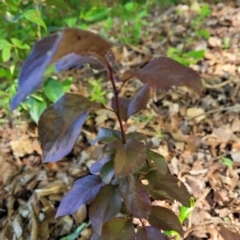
(115, 92)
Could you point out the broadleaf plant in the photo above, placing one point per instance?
(128, 176)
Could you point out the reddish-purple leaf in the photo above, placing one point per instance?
(139, 101)
(97, 166)
(228, 234)
(130, 106)
(149, 233)
(123, 107)
(52, 49)
(167, 187)
(33, 68)
(60, 125)
(164, 72)
(129, 157)
(74, 60)
(107, 172)
(84, 191)
(159, 162)
(105, 206)
(165, 219)
(107, 135)
(135, 197)
(116, 229)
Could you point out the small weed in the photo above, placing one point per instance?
(160, 134)
(146, 119)
(95, 90)
(184, 214)
(226, 43)
(227, 162)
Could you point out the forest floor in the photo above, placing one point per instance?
(199, 137)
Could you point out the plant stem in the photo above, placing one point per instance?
(115, 92)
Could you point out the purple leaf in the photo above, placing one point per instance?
(129, 157)
(139, 101)
(97, 166)
(84, 191)
(159, 162)
(135, 197)
(167, 187)
(165, 219)
(34, 66)
(105, 206)
(164, 72)
(107, 135)
(149, 233)
(123, 107)
(107, 172)
(73, 60)
(53, 48)
(60, 125)
(116, 229)
(130, 106)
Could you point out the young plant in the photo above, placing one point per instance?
(128, 176)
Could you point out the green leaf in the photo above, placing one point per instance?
(6, 54)
(53, 89)
(105, 206)
(165, 219)
(67, 84)
(195, 54)
(4, 44)
(203, 33)
(34, 16)
(185, 212)
(227, 162)
(130, 6)
(205, 11)
(96, 14)
(70, 21)
(58, 3)
(76, 233)
(36, 108)
(18, 43)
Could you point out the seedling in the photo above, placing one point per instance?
(227, 162)
(96, 91)
(115, 190)
(184, 213)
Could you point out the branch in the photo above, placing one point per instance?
(115, 92)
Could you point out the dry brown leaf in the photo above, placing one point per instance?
(228, 234)
(194, 112)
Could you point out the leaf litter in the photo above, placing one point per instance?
(192, 133)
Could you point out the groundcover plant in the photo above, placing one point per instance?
(128, 176)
